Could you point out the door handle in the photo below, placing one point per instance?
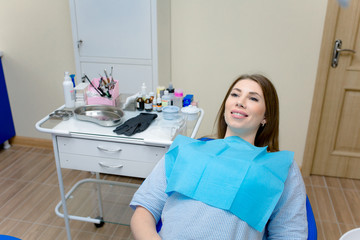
(79, 43)
(336, 52)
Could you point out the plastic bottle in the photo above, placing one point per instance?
(140, 103)
(178, 98)
(166, 100)
(159, 104)
(171, 93)
(148, 104)
(69, 92)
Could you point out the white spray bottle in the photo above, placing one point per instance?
(69, 92)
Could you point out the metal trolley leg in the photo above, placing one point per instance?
(61, 187)
(101, 213)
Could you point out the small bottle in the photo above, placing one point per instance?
(171, 93)
(152, 96)
(158, 103)
(69, 92)
(148, 104)
(153, 100)
(166, 100)
(178, 98)
(140, 103)
(154, 103)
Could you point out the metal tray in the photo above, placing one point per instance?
(101, 114)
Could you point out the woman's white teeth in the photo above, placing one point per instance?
(239, 114)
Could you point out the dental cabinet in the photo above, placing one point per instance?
(7, 129)
(90, 147)
(133, 36)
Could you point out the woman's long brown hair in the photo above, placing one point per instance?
(269, 134)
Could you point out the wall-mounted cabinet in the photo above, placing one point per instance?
(133, 36)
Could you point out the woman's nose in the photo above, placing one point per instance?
(240, 104)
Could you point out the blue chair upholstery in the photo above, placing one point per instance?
(158, 226)
(312, 230)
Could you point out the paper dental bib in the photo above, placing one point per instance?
(230, 174)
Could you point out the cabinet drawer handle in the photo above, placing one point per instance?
(109, 150)
(110, 166)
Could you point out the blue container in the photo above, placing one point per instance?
(187, 100)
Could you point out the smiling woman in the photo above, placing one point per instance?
(239, 186)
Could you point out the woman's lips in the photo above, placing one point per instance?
(239, 114)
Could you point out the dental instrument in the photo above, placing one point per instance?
(98, 90)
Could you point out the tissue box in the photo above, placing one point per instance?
(93, 97)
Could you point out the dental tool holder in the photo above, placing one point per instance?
(94, 98)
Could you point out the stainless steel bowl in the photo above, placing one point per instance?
(101, 114)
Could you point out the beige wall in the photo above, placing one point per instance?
(35, 37)
(213, 41)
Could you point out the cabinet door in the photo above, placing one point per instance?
(114, 28)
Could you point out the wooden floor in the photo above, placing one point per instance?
(29, 193)
(336, 205)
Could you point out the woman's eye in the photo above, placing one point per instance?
(234, 94)
(254, 99)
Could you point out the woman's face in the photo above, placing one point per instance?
(245, 110)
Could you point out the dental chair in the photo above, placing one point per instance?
(312, 230)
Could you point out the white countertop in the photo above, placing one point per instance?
(160, 132)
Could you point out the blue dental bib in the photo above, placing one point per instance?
(230, 174)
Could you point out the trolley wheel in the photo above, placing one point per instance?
(99, 225)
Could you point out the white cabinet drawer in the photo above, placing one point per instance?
(107, 149)
(108, 157)
(106, 165)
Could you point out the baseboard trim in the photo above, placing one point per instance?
(32, 142)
